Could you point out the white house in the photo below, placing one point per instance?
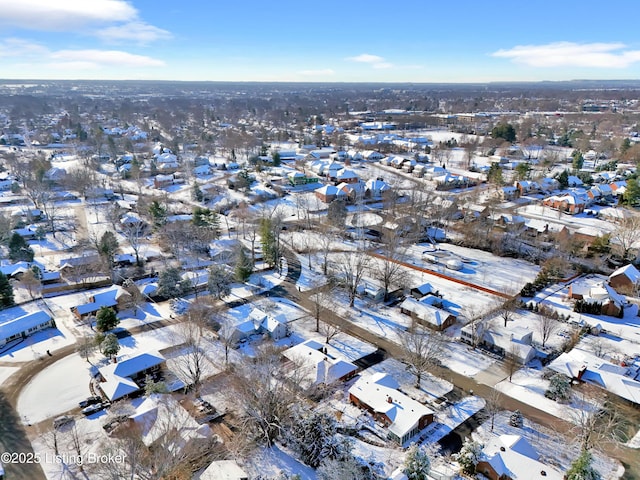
(320, 363)
(24, 326)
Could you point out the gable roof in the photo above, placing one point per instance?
(515, 458)
(424, 311)
(628, 271)
(380, 392)
(18, 325)
(117, 376)
(612, 378)
(322, 363)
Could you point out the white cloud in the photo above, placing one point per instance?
(106, 58)
(569, 54)
(317, 73)
(366, 58)
(138, 32)
(374, 60)
(56, 15)
(17, 47)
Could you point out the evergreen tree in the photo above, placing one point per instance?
(313, 437)
(416, 463)
(563, 179)
(206, 218)
(158, 213)
(106, 319)
(109, 346)
(469, 456)
(523, 170)
(107, 247)
(243, 267)
(632, 194)
(276, 159)
(219, 282)
(578, 160)
(19, 249)
(504, 131)
(268, 240)
(196, 193)
(516, 419)
(171, 284)
(625, 146)
(559, 388)
(582, 469)
(494, 175)
(6, 292)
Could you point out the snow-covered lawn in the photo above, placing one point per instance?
(528, 386)
(271, 462)
(507, 275)
(464, 360)
(431, 387)
(6, 372)
(55, 390)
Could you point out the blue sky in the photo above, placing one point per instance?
(340, 41)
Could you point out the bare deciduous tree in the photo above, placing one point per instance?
(329, 331)
(193, 360)
(264, 395)
(423, 350)
(388, 269)
(625, 235)
(320, 298)
(493, 406)
(350, 268)
(547, 324)
(134, 233)
(506, 311)
(512, 360)
(594, 424)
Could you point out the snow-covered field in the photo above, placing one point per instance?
(55, 390)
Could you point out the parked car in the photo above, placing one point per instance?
(90, 401)
(96, 407)
(62, 420)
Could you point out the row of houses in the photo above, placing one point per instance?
(351, 191)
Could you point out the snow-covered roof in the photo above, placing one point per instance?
(613, 378)
(118, 383)
(513, 457)
(159, 415)
(628, 271)
(18, 325)
(424, 289)
(380, 392)
(323, 363)
(108, 298)
(425, 312)
(166, 158)
(15, 268)
(346, 173)
(223, 470)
